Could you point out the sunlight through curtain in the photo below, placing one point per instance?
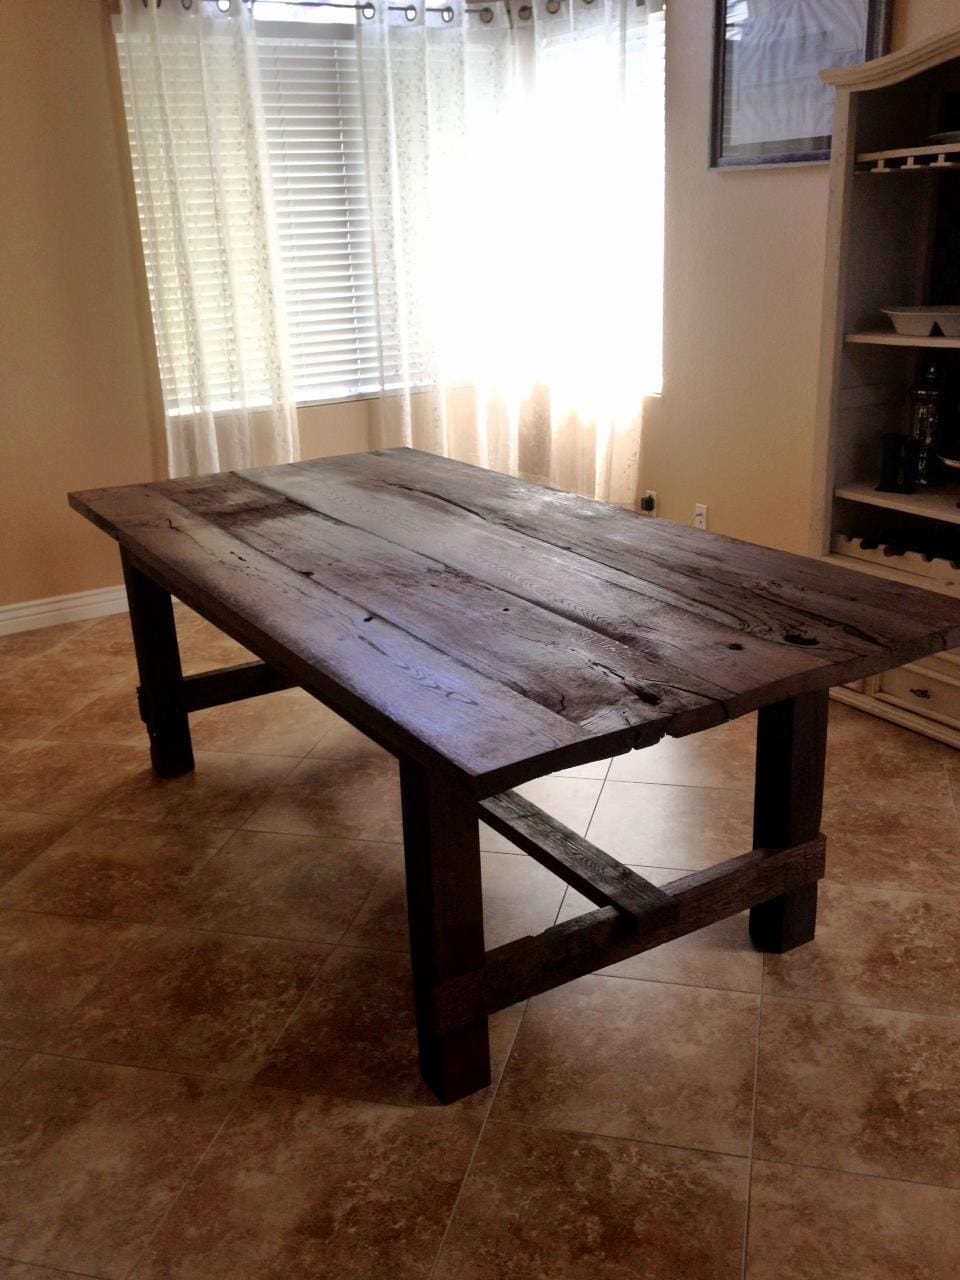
(515, 174)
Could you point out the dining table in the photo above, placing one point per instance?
(488, 631)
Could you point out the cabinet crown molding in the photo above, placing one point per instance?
(880, 73)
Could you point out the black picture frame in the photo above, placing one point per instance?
(725, 154)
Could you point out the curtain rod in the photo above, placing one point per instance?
(368, 9)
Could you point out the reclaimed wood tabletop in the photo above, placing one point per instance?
(499, 628)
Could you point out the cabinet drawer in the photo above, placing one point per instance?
(945, 664)
(924, 690)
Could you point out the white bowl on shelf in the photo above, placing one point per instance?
(918, 322)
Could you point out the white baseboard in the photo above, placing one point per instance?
(31, 614)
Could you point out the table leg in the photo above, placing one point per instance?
(161, 677)
(788, 801)
(445, 908)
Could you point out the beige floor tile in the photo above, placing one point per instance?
(335, 798)
(343, 742)
(892, 841)
(11, 1060)
(283, 724)
(642, 1060)
(66, 777)
(562, 1206)
(31, 644)
(203, 647)
(36, 693)
(223, 790)
(317, 1187)
(519, 898)
(807, 1224)
(721, 955)
(25, 835)
(79, 663)
(721, 757)
(111, 869)
(381, 923)
(668, 826)
(569, 800)
(196, 1002)
(47, 965)
(93, 1156)
(110, 717)
(24, 1271)
(860, 1090)
(354, 1035)
(876, 947)
(281, 886)
(874, 756)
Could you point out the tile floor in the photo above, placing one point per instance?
(207, 1058)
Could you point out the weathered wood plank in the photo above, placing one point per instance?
(744, 585)
(499, 629)
(596, 875)
(589, 942)
(690, 652)
(410, 698)
(574, 671)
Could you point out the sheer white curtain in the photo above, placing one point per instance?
(193, 102)
(515, 171)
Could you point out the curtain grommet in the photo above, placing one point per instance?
(410, 13)
(525, 13)
(553, 6)
(368, 11)
(447, 14)
(486, 15)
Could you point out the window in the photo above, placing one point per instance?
(314, 132)
(196, 184)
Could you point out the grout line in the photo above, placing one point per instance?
(476, 1146)
(54, 1271)
(858, 1173)
(753, 1127)
(180, 1194)
(728, 1155)
(593, 811)
(627, 1141)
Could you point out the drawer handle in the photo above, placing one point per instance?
(920, 693)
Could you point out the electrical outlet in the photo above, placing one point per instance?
(699, 516)
(648, 503)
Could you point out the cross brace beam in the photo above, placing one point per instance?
(576, 947)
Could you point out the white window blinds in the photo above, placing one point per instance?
(314, 129)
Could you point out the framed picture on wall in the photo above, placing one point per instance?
(769, 104)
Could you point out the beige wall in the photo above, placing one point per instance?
(744, 271)
(79, 390)
(79, 401)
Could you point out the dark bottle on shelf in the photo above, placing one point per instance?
(926, 399)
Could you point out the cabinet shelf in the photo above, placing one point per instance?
(945, 155)
(909, 569)
(888, 338)
(937, 505)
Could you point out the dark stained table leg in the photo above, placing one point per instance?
(161, 677)
(445, 907)
(788, 801)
